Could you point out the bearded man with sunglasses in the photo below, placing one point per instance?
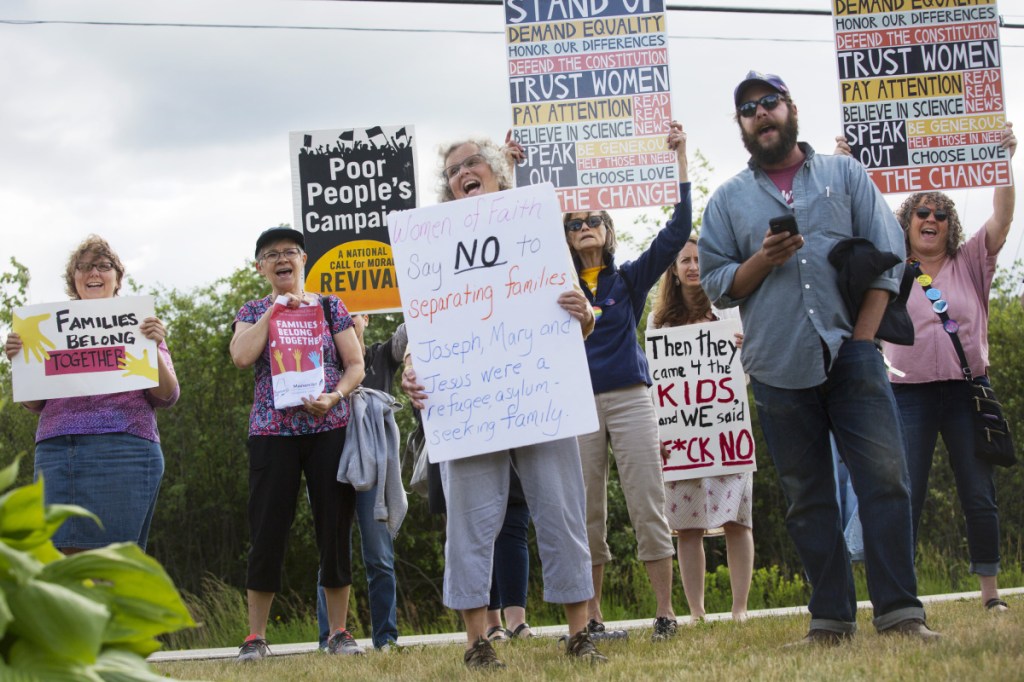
(814, 367)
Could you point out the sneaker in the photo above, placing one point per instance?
(820, 637)
(913, 627)
(391, 647)
(597, 630)
(343, 643)
(581, 646)
(253, 648)
(481, 656)
(664, 628)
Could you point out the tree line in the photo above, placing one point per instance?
(200, 527)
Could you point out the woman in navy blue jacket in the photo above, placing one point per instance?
(620, 377)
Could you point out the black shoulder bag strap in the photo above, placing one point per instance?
(326, 305)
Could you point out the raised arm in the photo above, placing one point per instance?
(997, 227)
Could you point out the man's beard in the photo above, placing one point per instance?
(770, 156)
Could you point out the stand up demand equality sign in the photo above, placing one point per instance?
(590, 101)
(922, 92)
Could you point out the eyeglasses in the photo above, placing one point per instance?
(469, 163)
(101, 266)
(769, 102)
(923, 212)
(274, 256)
(592, 221)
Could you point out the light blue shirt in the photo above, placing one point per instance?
(798, 304)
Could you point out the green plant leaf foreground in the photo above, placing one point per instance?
(92, 616)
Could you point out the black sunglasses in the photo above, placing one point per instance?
(769, 102)
(923, 212)
(592, 221)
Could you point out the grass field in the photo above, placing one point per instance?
(978, 646)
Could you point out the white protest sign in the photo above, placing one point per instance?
(502, 362)
(700, 397)
(921, 86)
(77, 348)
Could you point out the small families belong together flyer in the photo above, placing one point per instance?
(296, 352)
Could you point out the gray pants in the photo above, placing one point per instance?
(476, 490)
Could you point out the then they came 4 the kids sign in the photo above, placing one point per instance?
(700, 397)
(79, 348)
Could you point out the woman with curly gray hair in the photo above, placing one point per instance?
(483, 159)
(930, 390)
(477, 488)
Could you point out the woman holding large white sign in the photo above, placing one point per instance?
(476, 488)
(620, 376)
(696, 505)
(101, 452)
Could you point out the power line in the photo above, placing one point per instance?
(292, 27)
(367, 29)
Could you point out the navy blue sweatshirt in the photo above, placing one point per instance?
(615, 358)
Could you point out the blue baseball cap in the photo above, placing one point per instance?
(769, 79)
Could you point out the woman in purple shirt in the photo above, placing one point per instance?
(927, 378)
(102, 452)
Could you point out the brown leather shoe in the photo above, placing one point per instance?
(581, 646)
(913, 627)
(817, 636)
(481, 656)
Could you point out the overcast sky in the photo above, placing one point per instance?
(172, 142)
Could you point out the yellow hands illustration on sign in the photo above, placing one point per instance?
(134, 366)
(32, 339)
(280, 360)
(297, 354)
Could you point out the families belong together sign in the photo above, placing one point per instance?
(79, 348)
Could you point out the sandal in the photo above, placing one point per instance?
(522, 631)
(495, 633)
(996, 604)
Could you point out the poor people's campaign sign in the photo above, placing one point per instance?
(344, 183)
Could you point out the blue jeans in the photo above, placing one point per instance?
(379, 562)
(944, 407)
(116, 476)
(856, 403)
(511, 574)
(852, 531)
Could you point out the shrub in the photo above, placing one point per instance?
(92, 616)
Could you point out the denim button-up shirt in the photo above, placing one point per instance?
(798, 305)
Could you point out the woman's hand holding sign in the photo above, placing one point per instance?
(28, 336)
